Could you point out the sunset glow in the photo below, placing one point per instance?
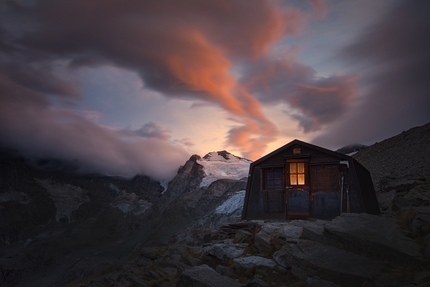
(122, 85)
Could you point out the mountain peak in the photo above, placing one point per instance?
(224, 156)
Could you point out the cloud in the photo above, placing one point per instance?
(152, 130)
(29, 123)
(316, 101)
(183, 49)
(393, 62)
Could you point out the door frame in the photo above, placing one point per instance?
(303, 202)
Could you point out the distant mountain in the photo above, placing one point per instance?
(351, 149)
(56, 221)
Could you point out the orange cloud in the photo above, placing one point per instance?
(182, 49)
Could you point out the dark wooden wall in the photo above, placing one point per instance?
(324, 186)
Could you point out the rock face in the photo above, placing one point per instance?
(375, 235)
(295, 253)
(204, 276)
(66, 224)
(405, 156)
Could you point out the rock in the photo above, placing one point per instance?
(137, 281)
(421, 224)
(377, 236)
(226, 271)
(202, 235)
(391, 278)
(67, 198)
(291, 233)
(253, 261)
(242, 236)
(149, 252)
(422, 278)
(169, 271)
(262, 239)
(257, 282)
(314, 230)
(427, 250)
(280, 257)
(332, 264)
(385, 200)
(418, 197)
(223, 251)
(204, 276)
(400, 203)
(318, 282)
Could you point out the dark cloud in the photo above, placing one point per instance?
(183, 49)
(29, 123)
(393, 60)
(317, 101)
(152, 130)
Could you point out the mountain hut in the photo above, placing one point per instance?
(301, 180)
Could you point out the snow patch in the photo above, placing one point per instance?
(67, 198)
(222, 165)
(19, 197)
(130, 202)
(164, 184)
(232, 204)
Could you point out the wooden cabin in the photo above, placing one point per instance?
(301, 180)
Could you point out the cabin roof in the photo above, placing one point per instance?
(304, 144)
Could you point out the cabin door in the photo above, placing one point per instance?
(325, 191)
(297, 189)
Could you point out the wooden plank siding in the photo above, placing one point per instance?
(319, 196)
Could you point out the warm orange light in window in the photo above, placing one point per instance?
(297, 173)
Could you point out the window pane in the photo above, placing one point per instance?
(301, 178)
(269, 184)
(293, 168)
(301, 167)
(269, 174)
(293, 179)
(278, 183)
(277, 174)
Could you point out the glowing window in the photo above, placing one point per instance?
(297, 173)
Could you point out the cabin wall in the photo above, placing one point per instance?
(255, 203)
(366, 190)
(324, 187)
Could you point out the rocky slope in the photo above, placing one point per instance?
(190, 235)
(56, 225)
(352, 250)
(404, 156)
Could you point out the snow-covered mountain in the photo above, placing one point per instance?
(223, 165)
(74, 220)
(206, 193)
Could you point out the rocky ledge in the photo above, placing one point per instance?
(351, 250)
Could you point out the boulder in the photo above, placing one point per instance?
(262, 239)
(252, 262)
(385, 200)
(318, 282)
(377, 236)
(223, 251)
(242, 236)
(149, 252)
(332, 264)
(421, 223)
(427, 250)
(257, 282)
(204, 276)
(281, 255)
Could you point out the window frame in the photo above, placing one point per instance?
(274, 179)
(305, 173)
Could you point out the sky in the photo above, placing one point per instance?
(136, 87)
